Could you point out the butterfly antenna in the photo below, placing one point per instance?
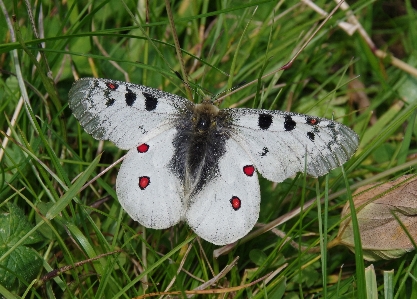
(176, 42)
(177, 45)
(186, 83)
(213, 98)
(198, 90)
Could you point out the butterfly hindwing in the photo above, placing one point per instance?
(227, 207)
(121, 112)
(146, 187)
(283, 143)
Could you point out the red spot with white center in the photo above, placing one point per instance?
(236, 203)
(144, 182)
(248, 170)
(312, 121)
(143, 148)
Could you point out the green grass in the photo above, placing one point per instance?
(93, 246)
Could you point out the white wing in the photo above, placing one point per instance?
(125, 113)
(227, 207)
(148, 191)
(280, 144)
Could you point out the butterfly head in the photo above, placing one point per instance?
(204, 117)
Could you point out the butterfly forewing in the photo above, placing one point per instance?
(124, 113)
(282, 143)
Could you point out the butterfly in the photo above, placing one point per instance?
(198, 163)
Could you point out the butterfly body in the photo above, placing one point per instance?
(197, 163)
(199, 143)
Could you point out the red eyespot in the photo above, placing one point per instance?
(236, 203)
(143, 148)
(312, 121)
(248, 170)
(112, 86)
(144, 182)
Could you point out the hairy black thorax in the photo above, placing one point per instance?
(199, 144)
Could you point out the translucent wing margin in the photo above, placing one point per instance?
(282, 143)
(124, 113)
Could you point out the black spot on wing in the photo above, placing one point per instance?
(264, 121)
(310, 135)
(265, 150)
(289, 123)
(332, 130)
(130, 97)
(110, 102)
(331, 125)
(150, 101)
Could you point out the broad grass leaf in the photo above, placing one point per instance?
(23, 264)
